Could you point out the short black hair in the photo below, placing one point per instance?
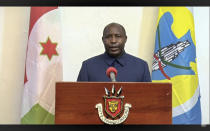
(114, 24)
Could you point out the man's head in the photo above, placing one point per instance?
(114, 39)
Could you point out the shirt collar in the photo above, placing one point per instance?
(121, 60)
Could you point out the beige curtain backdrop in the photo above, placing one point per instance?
(14, 32)
(147, 34)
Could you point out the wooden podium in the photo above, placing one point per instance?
(75, 102)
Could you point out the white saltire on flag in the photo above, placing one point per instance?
(43, 66)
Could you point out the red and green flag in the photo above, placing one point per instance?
(43, 66)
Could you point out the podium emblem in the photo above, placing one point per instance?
(113, 104)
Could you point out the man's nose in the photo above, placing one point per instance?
(113, 39)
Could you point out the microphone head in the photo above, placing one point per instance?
(111, 69)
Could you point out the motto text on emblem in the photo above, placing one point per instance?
(113, 107)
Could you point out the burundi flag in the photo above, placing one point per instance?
(43, 66)
(175, 61)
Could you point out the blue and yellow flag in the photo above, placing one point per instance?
(175, 61)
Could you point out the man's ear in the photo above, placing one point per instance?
(102, 38)
(125, 39)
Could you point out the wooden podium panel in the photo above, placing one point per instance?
(75, 102)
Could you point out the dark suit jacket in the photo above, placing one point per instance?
(129, 69)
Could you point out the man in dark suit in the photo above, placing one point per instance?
(129, 68)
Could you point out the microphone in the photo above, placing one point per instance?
(111, 72)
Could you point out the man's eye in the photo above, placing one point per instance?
(108, 36)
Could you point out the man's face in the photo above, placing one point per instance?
(114, 39)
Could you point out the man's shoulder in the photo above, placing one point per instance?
(94, 59)
(136, 59)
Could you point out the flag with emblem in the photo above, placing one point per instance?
(175, 61)
(43, 66)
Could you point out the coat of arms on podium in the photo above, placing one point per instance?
(113, 105)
